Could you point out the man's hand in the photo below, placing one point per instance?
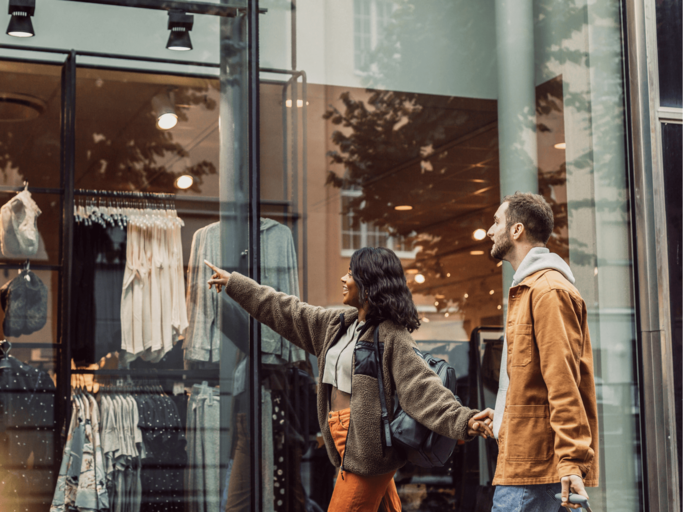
(480, 424)
(574, 484)
(219, 279)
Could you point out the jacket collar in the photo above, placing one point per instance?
(529, 280)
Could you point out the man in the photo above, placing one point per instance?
(546, 418)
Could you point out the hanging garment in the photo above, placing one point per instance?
(24, 301)
(26, 433)
(19, 226)
(153, 311)
(202, 342)
(279, 271)
(96, 283)
(205, 307)
(203, 433)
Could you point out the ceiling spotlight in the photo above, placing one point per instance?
(164, 110)
(560, 145)
(403, 208)
(492, 292)
(500, 307)
(412, 271)
(180, 25)
(477, 253)
(419, 278)
(184, 182)
(499, 264)
(20, 23)
(479, 234)
(467, 295)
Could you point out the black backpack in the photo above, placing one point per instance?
(421, 446)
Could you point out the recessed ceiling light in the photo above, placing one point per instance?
(446, 314)
(448, 274)
(439, 296)
(412, 271)
(403, 208)
(425, 319)
(184, 182)
(419, 278)
(499, 264)
(499, 306)
(476, 253)
(560, 145)
(492, 292)
(479, 234)
(467, 295)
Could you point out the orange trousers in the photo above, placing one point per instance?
(355, 493)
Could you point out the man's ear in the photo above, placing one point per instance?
(517, 231)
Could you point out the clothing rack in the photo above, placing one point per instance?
(150, 372)
(127, 194)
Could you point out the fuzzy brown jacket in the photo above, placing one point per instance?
(550, 425)
(419, 389)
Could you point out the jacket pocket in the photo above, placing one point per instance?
(529, 435)
(521, 346)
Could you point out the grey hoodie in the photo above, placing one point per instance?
(539, 258)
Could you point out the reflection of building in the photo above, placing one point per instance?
(402, 124)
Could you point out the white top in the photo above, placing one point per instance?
(339, 359)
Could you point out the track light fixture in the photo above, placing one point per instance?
(180, 25)
(164, 110)
(20, 23)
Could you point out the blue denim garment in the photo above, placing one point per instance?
(527, 498)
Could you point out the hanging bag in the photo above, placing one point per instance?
(24, 301)
(420, 445)
(18, 226)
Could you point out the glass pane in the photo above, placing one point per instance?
(157, 413)
(30, 111)
(670, 52)
(672, 135)
(432, 140)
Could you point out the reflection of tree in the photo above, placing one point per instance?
(132, 158)
(394, 147)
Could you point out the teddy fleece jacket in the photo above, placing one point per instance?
(418, 389)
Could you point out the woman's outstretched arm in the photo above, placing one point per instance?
(302, 324)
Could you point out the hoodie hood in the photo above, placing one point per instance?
(540, 258)
(268, 223)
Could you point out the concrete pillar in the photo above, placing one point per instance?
(517, 144)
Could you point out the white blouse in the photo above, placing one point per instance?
(339, 359)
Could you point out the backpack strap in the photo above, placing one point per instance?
(382, 396)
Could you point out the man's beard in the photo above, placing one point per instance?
(502, 247)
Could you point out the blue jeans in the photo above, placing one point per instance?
(526, 498)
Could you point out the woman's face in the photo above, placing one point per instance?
(350, 291)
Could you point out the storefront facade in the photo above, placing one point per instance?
(288, 135)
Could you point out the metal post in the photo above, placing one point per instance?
(658, 418)
(254, 249)
(68, 149)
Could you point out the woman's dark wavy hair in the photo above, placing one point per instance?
(380, 279)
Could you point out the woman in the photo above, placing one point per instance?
(348, 398)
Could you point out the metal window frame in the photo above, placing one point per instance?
(650, 253)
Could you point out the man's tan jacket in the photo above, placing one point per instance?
(550, 425)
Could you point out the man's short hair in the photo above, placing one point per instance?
(533, 212)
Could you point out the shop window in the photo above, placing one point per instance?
(357, 234)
